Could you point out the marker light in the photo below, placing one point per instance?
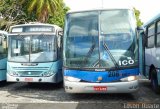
(12, 73)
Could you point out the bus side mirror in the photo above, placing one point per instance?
(60, 33)
(140, 28)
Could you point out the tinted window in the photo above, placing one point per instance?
(150, 41)
(158, 34)
(151, 30)
(81, 40)
(158, 27)
(150, 35)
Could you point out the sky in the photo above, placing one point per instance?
(147, 8)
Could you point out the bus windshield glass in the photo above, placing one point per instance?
(101, 39)
(117, 32)
(32, 48)
(81, 46)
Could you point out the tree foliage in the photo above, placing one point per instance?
(23, 11)
(42, 8)
(59, 16)
(11, 13)
(137, 14)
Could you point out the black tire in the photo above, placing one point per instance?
(154, 81)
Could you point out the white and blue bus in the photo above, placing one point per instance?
(100, 51)
(34, 53)
(3, 55)
(151, 50)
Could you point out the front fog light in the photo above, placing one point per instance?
(71, 79)
(130, 78)
(49, 73)
(12, 73)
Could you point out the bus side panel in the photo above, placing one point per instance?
(141, 55)
(108, 76)
(57, 67)
(157, 62)
(147, 68)
(60, 75)
(3, 64)
(2, 75)
(158, 76)
(148, 60)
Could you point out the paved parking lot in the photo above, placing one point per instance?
(50, 95)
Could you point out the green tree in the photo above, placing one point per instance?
(17, 12)
(10, 14)
(137, 14)
(59, 16)
(42, 8)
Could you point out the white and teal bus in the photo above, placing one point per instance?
(3, 55)
(34, 53)
(100, 51)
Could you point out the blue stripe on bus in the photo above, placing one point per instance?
(92, 76)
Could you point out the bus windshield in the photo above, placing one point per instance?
(100, 39)
(32, 48)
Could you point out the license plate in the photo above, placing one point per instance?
(100, 88)
(28, 79)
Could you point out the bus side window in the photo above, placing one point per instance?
(150, 36)
(158, 34)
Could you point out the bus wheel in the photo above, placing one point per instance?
(154, 81)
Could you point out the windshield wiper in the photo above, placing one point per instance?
(111, 56)
(90, 52)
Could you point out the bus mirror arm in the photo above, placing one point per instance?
(60, 33)
(140, 28)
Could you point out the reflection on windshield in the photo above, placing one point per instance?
(35, 48)
(120, 38)
(43, 48)
(84, 39)
(81, 47)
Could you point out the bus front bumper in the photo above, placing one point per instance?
(116, 87)
(50, 79)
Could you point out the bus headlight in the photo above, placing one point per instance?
(129, 78)
(71, 79)
(12, 73)
(48, 73)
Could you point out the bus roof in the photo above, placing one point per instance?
(56, 27)
(97, 9)
(155, 18)
(3, 32)
(31, 24)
